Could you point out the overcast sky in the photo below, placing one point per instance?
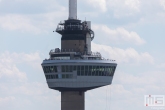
(129, 31)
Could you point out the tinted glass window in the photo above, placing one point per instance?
(63, 68)
(75, 68)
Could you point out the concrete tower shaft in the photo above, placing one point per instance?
(72, 9)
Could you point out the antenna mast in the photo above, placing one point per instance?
(72, 9)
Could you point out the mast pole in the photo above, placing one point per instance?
(72, 9)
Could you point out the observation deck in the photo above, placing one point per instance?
(75, 27)
(76, 71)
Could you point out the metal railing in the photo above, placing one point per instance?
(78, 59)
(72, 51)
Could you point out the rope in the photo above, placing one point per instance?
(110, 97)
(106, 98)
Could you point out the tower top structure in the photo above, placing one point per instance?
(72, 9)
(74, 69)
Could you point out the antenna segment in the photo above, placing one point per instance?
(72, 9)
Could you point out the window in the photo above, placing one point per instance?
(67, 76)
(59, 76)
(44, 69)
(63, 68)
(82, 70)
(90, 70)
(75, 68)
(67, 69)
(100, 71)
(103, 71)
(71, 68)
(55, 68)
(50, 69)
(63, 76)
(93, 70)
(78, 70)
(86, 71)
(97, 71)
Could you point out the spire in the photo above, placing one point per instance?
(72, 9)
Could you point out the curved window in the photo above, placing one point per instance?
(59, 76)
(82, 70)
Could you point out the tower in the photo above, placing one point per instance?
(75, 69)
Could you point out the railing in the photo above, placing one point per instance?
(89, 56)
(72, 51)
(78, 59)
(71, 27)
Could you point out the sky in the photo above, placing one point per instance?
(132, 32)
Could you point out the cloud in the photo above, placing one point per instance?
(34, 23)
(15, 82)
(18, 22)
(162, 3)
(6, 100)
(33, 59)
(11, 72)
(122, 8)
(27, 95)
(9, 61)
(161, 65)
(119, 35)
(99, 5)
(123, 56)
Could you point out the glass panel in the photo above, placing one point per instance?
(71, 68)
(46, 68)
(82, 71)
(90, 70)
(63, 76)
(78, 70)
(51, 76)
(82, 68)
(55, 68)
(75, 68)
(86, 71)
(56, 76)
(59, 76)
(107, 71)
(111, 70)
(100, 71)
(86, 68)
(78, 73)
(93, 70)
(63, 68)
(43, 69)
(67, 76)
(97, 70)
(51, 69)
(67, 70)
(103, 70)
